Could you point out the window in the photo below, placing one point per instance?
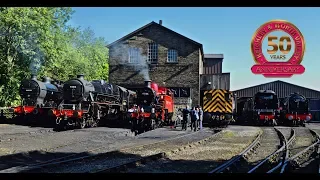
(153, 53)
(134, 54)
(227, 96)
(172, 56)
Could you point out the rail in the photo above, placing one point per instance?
(293, 158)
(72, 158)
(153, 157)
(227, 164)
(283, 147)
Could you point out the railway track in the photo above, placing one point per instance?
(275, 160)
(235, 164)
(30, 168)
(305, 159)
(156, 157)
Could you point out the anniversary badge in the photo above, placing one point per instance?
(278, 47)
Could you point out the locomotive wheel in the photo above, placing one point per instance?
(153, 124)
(82, 123)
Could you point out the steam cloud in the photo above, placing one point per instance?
(37, 57)
(140, 65)
(29, 48)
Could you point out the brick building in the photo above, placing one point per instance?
(166, 57)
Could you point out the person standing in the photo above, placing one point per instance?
(185, 114)
(194, 118)
(200, 117)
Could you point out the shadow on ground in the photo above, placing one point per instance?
(104, 160)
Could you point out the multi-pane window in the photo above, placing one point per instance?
(134, 54)
(172, 56)
(153, 53)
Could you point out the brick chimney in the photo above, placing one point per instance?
(160, 22)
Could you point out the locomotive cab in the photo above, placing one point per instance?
(266, 107)
(295, 110)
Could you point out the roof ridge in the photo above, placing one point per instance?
(149, 24)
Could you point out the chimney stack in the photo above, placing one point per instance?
(80, 76)
(33, 77)
(46, 80)
(147, 83)
(160, 22)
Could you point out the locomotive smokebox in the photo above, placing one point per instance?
(46, 80)
(147, 83)
(33, 77)
(80, 76)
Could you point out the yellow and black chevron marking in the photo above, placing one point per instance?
(217, 101)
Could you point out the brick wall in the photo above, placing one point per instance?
(185, 73)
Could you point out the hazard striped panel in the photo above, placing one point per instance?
(215, 101)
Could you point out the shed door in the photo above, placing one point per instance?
(314, 106)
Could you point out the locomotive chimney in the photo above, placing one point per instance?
(33, 77)
(46, 80)
(80, 76)
(147, 83)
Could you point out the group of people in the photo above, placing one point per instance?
(196, 115)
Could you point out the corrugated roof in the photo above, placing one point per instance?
(281, 88)
(213, 56)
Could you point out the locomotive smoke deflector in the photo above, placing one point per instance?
(80, 76)
(147, 83)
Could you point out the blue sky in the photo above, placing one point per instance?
(220, 30)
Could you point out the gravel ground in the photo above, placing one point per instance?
(37, 147)
(125, 156)
(8, 129)
(303, 139)
(269, 143)
(207, 156)
(311, 166)
(33, 149)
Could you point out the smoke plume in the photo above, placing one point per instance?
(27, 45)
(140, 61)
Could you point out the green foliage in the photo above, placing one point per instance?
(38, 40)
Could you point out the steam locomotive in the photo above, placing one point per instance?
(37, 99)
(295, 110)
(87, 104)
(262, 109)
(155, 107)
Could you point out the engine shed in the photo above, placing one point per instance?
(282, 89)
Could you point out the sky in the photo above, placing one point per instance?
(225, 31)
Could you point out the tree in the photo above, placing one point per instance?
(38, 41)
(26, 40)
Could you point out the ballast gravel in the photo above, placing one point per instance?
(205, 157)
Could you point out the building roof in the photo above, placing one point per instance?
(218, 56)
(156, 24)
(281, 88)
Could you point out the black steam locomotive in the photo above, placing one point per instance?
(263, 108)
(295, 110)
(87, 104)
(37, 99)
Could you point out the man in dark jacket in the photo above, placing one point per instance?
(194, 118)
(185, 113)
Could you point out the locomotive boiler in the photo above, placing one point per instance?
(37, 99)
(263, 108)
(87, 104)
(155, 108)
(295, 110)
